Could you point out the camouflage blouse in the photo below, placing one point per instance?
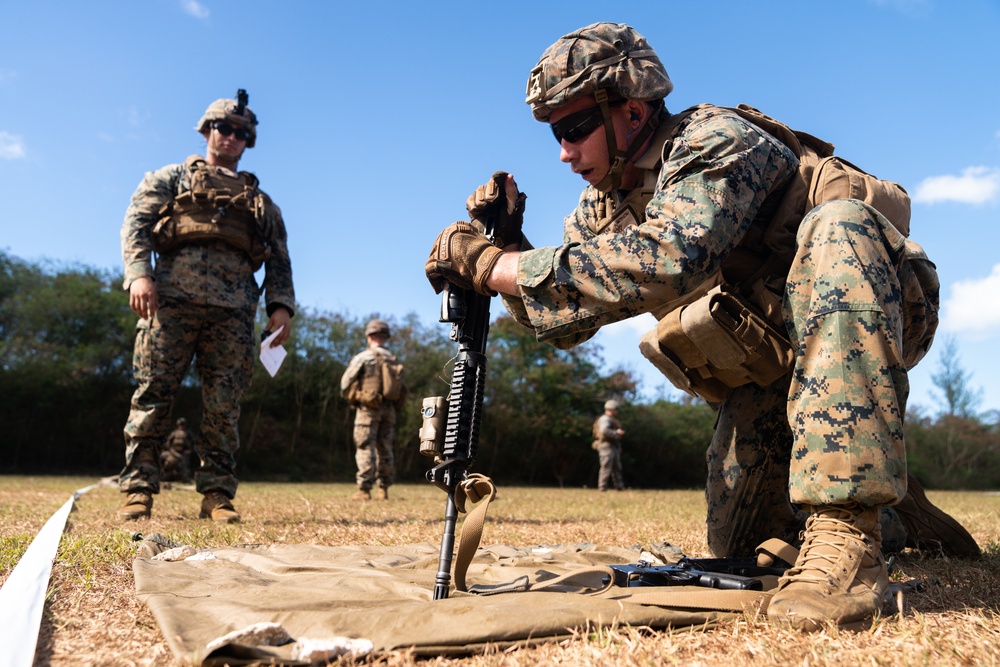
(713, 178)
(207, 274)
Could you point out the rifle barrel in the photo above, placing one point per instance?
(442, 581)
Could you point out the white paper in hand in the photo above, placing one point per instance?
(272, 357)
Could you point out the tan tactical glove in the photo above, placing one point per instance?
(463, 256)
(508, 229)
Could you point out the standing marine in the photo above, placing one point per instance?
(193, 238)
(372, 384)
(608, 435)
(175, 459)
(797, 315)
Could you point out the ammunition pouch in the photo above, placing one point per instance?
(173, 231)
(394, 390)
(359, 396)
(717, 343)
(218, 207)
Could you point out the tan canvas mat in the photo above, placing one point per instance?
(374, 599)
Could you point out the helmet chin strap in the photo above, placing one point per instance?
(620, 159)
(613, 178)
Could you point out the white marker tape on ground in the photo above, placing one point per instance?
(22, 597)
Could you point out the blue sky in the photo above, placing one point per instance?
(378, 119)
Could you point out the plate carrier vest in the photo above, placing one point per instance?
(218, 207)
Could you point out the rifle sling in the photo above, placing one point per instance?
(597, 581)
(475, 488)
(773, 550)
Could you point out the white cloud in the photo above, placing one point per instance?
(134, 117)
(976, 185)
(973, 307)
(195, 9)
(632, 328)
(11, 147)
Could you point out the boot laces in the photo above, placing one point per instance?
(830, 537)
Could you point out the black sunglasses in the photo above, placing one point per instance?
(225, 129)
(578, 126)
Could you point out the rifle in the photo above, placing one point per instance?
(722, 573)
(462, 412)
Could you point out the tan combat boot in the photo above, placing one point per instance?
(930, 529)
(362, 494)
(217, 506)
(383, 493)
(839, 577)
(138, 505)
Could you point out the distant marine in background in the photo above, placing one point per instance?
(175, 457)
(607, 443)
(373, 384)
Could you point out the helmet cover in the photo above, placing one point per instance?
(235, 112)
(601, 55)
(377, 326)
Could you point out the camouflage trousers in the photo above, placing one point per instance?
(220, 340)
(860, 308)
(610, 474)
(374, 437)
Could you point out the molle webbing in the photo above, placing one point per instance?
(371, 376)
(218, 207)
(715, 344)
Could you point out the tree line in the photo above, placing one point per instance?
(66, 335)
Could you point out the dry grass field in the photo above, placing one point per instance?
(93, 618)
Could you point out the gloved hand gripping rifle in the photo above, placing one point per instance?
(462, 412)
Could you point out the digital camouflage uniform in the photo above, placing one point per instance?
(609, 450)
(374, 427)
(208, 299)
(711, 199)
(860, 306)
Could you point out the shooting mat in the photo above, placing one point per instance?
(321, 601)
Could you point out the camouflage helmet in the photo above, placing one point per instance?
(610, 56)
(377, 326)
(611, 405)
(235, 111)
(182, 422)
